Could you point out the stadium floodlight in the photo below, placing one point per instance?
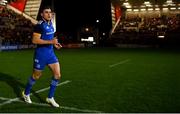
(129, 9)
(143, 9)
(128, 6)
(172, 4)
(136, 10)
(143, 6)
(173, 8)
(165, 9)
(148, 5)
(146, 2)
(157, 9)
(86, 29)
(112, 11)
(169, 1)
(150, 9)
(161, 36)
(165, 5)
(125, 3)
(89, 39)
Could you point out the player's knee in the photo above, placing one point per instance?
(57, 75)
(37, 75)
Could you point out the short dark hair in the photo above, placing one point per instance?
(45, 7)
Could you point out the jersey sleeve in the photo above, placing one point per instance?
(38, 28)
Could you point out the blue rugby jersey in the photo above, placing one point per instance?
(44, 54)
(47, 33)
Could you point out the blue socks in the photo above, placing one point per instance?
(29, 85)
(53, 86)
(31, 82)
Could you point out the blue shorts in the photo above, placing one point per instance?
(40, 61)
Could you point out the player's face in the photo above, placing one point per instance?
(47, 14)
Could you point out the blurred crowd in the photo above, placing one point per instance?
(149, 24)
(14, 28)
(143, 30)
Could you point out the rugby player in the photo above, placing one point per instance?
(43, 37)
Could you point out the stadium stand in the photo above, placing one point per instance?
(15, 29)
(148, 30)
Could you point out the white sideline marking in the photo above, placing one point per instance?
(80, 110)
(60, 84)
(63, 107)
(121, 62)
(9, 100)
(3, 98)
(41, 90)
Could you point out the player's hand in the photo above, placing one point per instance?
(55, 41)
(58, 46)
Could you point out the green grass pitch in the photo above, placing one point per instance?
(100, 79)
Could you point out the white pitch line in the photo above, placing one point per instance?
(41, 90)
(121, 62)
(60, 84)
(80, 110)
(34, 103)
(3, 98)
(62, 107)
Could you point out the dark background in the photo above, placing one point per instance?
(71, 15)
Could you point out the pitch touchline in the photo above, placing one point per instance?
(63, 107)
(41, 90)
(121, 62)
(62, 83)
(43, 104)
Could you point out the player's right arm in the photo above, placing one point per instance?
(37, 39)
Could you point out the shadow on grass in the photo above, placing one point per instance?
(16, 85)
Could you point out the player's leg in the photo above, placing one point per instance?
(35, 76)
(55, 68)
(38, 67)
